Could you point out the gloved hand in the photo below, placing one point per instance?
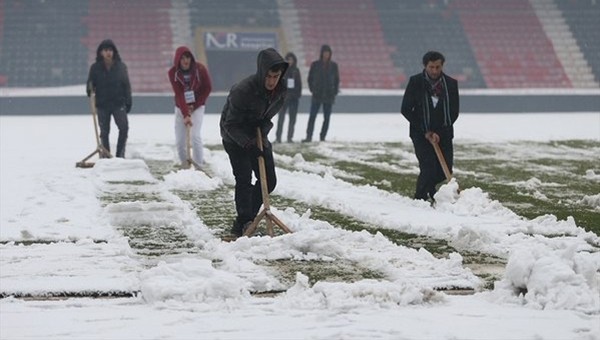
(253, 149)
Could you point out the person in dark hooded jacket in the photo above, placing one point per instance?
(324, 83)
(252, 103)
(191, 86)
(431, 105)
(109, 79)
(294, 85)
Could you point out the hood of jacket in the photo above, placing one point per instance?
(328, 49)
(266, 60)
(293, 57)
(108, 43)
(179, 53)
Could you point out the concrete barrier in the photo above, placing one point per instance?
(472, 101)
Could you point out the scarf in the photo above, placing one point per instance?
(439, 89)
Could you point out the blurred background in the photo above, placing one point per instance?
(378, 44)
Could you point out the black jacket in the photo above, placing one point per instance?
(249, 104)
(440, 119)
(112, 87)
(293, 73)
(324, 78)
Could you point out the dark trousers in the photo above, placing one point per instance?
(120, 117)
(292, 107)
(431, 172)
(314, 108)
(248, 196)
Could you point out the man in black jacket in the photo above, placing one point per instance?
(252, 103)
(324, 83)
(293, 82)
(109, 79)
(431, 105)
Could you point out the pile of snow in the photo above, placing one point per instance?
(551, 279)
(344, 297)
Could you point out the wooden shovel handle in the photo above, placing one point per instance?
(442, 160)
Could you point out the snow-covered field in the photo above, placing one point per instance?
(60, 234)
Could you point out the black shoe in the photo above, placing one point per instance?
(277, 141)
(290, 140)
(307, 140)
(237, 229)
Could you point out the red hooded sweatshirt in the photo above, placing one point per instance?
(199, 82)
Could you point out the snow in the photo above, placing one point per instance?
(207, 294)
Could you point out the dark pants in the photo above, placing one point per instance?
(314, 108)
(431, 172)
(248, 196)
(292, 105)
(120, 117)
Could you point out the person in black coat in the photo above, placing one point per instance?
(294, 85)
(431, 105)
(252, 103)
(109, 79)
(324, 83)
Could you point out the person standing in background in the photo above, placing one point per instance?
(431, 105)
(294, 92)
(191, 86)
(324, 83)
(109, 80)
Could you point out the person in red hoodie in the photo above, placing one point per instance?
(191, 86)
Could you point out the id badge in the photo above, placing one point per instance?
(290, 83)
(190, 98)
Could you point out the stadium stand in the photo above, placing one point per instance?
(353, 30)
(40, 43)
(510, 45)
(142, 32)
(583, 17)
(3, 76)
(234, 13)
(377, 43)
(416, 26)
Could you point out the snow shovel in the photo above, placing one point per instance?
(100, 149)
(266, 211)
(442, 161)
(189, 149)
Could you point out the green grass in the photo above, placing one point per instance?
(339, 270)
(501, 170)
(157, 241)
(148, 240)
(131, 196)
(438, 248)
(499, 178)
(507, 172)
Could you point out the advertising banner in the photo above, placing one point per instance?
(239, 41)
